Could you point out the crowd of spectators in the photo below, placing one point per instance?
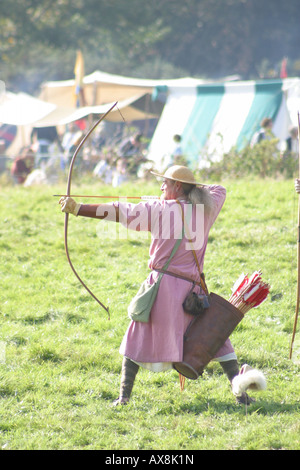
(113, 154)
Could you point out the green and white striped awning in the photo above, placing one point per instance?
(213, 118)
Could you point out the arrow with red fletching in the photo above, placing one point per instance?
(249, 292)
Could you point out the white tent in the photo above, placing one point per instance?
(26, 112)
(210, 117)
(213, 118)
(21, 109)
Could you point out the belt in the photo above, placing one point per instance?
(170, 273)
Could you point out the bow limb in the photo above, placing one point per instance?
(68, 192)
(298, 257)
(74, 270)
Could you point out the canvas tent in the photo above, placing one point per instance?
(134, 95)
(56, 105)
(26, 112)
(22, 109)
(135, 108)
(213, 118)
(101, 88)
(210, 117)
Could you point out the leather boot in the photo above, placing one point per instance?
(129, 371)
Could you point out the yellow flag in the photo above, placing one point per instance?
(79, 75)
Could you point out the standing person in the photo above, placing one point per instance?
(175, 156)
(177, 153)
(157, 344)
(22, 165)
(131, 147)
(292, 141)
(42, 138)
(265, 132)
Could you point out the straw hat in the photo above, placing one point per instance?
(178, 173)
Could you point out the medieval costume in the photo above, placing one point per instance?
(158, 343)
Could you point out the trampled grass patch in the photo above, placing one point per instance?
(60, 366)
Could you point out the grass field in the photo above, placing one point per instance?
(60, 365)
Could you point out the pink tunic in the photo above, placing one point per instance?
(161, 339)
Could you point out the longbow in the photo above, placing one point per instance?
(298, 255)
(68, 193)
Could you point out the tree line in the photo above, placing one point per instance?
(147, 38)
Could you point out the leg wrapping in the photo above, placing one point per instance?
(230, 368)
(129, 371)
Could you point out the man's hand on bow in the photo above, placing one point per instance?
(69, 206)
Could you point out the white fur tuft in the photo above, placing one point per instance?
(248, 378)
